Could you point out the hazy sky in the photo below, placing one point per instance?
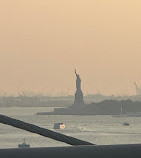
(42, 41)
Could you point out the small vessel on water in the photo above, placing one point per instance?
(24, 145)
(59, 126)
(126, 124)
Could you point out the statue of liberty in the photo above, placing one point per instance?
(78, 94)
(78, 81)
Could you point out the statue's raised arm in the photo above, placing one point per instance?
(75, 72)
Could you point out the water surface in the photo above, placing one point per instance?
(95, 129)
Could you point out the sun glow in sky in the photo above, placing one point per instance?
(43, 41)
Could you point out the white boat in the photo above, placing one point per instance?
(24, 145)
(59, 126)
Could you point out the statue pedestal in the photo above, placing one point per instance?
(78, 98)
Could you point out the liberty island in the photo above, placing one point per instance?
(106, 107)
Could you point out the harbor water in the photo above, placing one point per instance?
(96, 129)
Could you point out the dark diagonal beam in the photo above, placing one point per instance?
(42, 131)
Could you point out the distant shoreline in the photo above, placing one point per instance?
(106, 107)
